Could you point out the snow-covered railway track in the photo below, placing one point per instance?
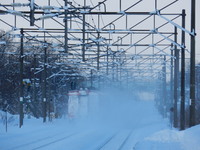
(116, 141)
(43, 142)
(124, 142)
(105, 142)
(53, 142)
(88, 139)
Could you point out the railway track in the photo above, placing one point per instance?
(103, 141)
(53, 142)
(43, 142)
(112, 141)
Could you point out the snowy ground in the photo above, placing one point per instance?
(120, 125)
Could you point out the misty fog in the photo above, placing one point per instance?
(114, 108)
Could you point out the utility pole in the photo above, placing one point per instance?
(21, 93)
(127, 81)
(66, 27)
(176, 80)
(164, 88)
(113, 67)
(34, 80)
(44, 84)
(192, 66)
(182, 115)
(120, 5)
(120, 74)
(91, 78)
(83, 45)
(98, 51)
(98, 43)
(35, 101)
(32, 11)
(107, 59)
(171, 85)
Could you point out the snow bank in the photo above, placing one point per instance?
(172, 140)
(191, 139)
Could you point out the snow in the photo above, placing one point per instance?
(126, 122)
(172, 139)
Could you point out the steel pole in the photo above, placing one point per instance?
(107, 59)
(164, 88)
(66, 27)
(182, 112)
(83, 44)
(171, 85)
(98, 44)
(44, 85)
(91, 78)
(192, 67)
(21, 93)
(176, 80)
(120, 5)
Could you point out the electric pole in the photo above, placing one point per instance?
(66, 27)
(192, 66)
(83, 44)
(171, 85)
(176, 80)
(21, 93)
(182, 112)
(164, 88)
(44, 84)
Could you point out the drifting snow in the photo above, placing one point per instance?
(125, 120)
